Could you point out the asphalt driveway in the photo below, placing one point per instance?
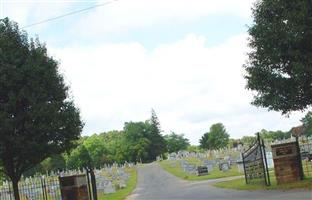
(154, 183)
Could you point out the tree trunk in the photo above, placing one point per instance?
(93, 182)
(15, 189)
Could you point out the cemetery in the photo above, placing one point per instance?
(218, 163)
(287, 168)
(72, 107)
(278, 164)
(111, 181)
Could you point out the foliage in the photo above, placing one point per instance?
(138, 141)
(194, 148)
(97, 150)
(176, 142)
(280, 63)
(274, 135)
(53, 163)
(216, 138)
(79, 158)
(115, 144)
(133, 144)
(1, 174)
(248, 140)
(307, 123)
(37, 118)
(157, 142)
(143, 141)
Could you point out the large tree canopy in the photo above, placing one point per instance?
(307, 123)
(176, 142)
(216, 138)
(279, 68)
(37, 118)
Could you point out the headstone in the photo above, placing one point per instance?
(109, 188)
(240, 166)
(224, 167)
(122, 184)
(202, 170)
(269, 157)
(209, 167)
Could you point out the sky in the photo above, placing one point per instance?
(181, 58)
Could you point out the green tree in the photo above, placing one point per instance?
(274, 135)
(143, 141)
(115, 145)
(1, 174)
(79, 158)
(176, 142)
(216, 138)
(280, 63)
(248, 140)
(37, 117)
(136, 141)
(307, 123)
(53, 163)
(157, 142)
(193, 148)
(97, 150)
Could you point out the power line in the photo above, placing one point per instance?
(48, 1)
(70, 13)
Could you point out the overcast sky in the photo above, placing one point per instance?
(183, 58)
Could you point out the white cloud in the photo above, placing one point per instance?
(124, 15)
(190, 86)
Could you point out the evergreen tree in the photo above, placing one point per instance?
(158, 143)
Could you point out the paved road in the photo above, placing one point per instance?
(154, 183)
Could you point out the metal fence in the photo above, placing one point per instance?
(305, 145)
(255, 164)
(38, 188)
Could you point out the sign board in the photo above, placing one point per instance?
(287, 164)
(74, 187)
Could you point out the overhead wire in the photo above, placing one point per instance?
(70, 13)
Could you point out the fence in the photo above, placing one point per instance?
(47, 187)
(255, 164)
(305, 145)
(38, 188)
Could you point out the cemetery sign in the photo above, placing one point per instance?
(287, 162)
(74, 187)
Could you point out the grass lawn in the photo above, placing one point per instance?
(122, 193)
(174, 167)
(240, 184)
